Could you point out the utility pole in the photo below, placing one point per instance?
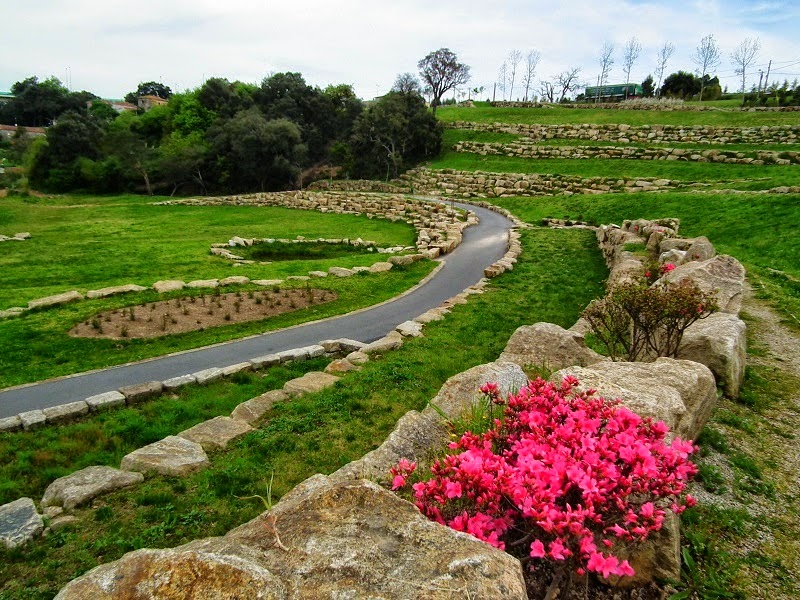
(766, 81)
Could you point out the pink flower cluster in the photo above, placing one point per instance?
(564, 474)
(666, 268)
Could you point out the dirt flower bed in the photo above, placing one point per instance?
(192, 313)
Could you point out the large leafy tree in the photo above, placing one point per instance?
(393, 135)
(54, 163)
(254, 152)
(39, 103)
(149, 88)
(441, 72)
(680, 85)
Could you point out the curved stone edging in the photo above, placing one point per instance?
(676, 106)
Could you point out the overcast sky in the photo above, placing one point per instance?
(108, 47)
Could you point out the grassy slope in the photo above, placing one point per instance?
(91, 242)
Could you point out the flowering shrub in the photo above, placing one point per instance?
(564, 475)
(637, 322)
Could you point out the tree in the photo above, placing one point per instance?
(222, 97)
(514, 58)
(707, 58)
(531, 62)
(407, 83)
(256, 153)
(567, 82)
(630, 54)
(149, 88)
(664, 54)
(742, 57)
(647, 87)
(680, 85)
(39, 103)
(441, 71)
(181, 159)
(606, 60)
(392, 135)
(502, 79)
(547, 91)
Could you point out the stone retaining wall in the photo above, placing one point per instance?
(482, 184)
(524, 149)
(438, 226)
(654, 134)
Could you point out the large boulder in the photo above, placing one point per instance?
(720, 343)
(86, 484)
(460, 391)
(681, 393)
(723, 275)
(422, 436)
(549, 346)
(322, 540)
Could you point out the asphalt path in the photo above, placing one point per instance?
(482, 245)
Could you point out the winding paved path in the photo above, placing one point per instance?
(482, 245)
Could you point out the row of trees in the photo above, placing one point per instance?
(227, 137)
(516, 75)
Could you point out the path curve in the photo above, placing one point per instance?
(482, 245)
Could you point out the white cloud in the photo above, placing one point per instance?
(109, 47)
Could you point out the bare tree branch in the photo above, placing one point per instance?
(514, 57)
(664, 55)
(707, 58)
(742, 57)
(531, 62)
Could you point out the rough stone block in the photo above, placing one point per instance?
(268, 360)
(84, 485)
(216, 433)
(141, 391)
(19, 523)
(55, 300)
(32, 419)
(8, 424)
(208, 375)
(168, 285)
(176, 382)
(235, 280)
(381, 267)
(237, 368)
(66, 412)
(410, 329)
(112, 291)
(173, 456)
(549, 346)
(252, 410)
(341, 272)
(105, 401)
(203, 283)
(314, 381)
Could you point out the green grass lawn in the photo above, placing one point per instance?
(91, 242)
(483, 113)
(558, 273)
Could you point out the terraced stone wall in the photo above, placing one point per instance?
(654, 134)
